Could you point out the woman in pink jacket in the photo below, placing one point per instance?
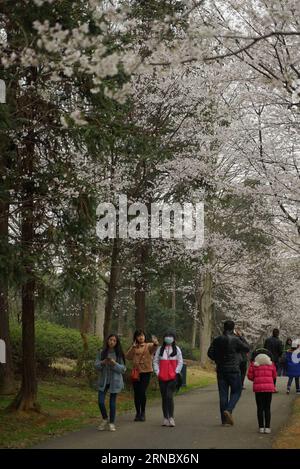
(262, 372)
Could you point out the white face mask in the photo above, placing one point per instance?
(169, 340)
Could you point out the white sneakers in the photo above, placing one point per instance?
(107, 426)
(264, 430)
(103, 426)
(168, 422)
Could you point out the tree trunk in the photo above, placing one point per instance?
(26, 399)
(84, 330)
(205, 316)
(140, 289)
(112, 287)
(140, 304)
(6, 369)
(195, 323)
(173, 301)
(100, 311)
(120, 323)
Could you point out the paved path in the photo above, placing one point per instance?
(198, 425)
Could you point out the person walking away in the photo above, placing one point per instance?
(292, 365)
(282, 360)
(110, 362)
(225, 351)
(243, 356)
(262, 372)
(141, 353)
(275, 346)
(167, 365)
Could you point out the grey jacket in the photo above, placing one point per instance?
(117, 382)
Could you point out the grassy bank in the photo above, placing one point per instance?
(289, 436)
(69, 404)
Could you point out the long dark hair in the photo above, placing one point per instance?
(174, 349)
(118, 349)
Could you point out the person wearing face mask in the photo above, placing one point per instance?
(167, 365)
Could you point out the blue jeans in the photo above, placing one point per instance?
(289, 384)
(229, 381)
(112, 405)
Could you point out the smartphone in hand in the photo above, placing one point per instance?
(154, 339)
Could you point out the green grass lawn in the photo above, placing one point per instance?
(69, 404)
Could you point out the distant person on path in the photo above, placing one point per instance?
(111, 365)
(275, 346)
(262, 372)
(225, 351)
(292, 366)
(167, 365)
(141, 353)
(282, 365)
(243, 356)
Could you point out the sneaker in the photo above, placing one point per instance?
(165, 423)
(171, 422)
(142, 417)
(288, 391)
(228, 417)
(261, 430)
(103, 426)
(111, 427)
(267, 430)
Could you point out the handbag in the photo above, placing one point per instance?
(135, 375)
(135, 372)
(179, 381)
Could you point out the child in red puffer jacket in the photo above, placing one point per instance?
(262, 372)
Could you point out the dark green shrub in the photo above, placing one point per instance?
(52, 342)
(188, 352)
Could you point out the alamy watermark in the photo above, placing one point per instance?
(2, 352)
(183, 222)
(2, 92)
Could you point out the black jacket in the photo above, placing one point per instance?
(226, 351)
(275, 346)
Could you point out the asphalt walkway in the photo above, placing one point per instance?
(197, 425)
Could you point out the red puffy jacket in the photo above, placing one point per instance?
(262, 372)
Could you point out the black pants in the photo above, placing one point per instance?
(243, 368)
(290, 380)
(263, 402)
(167, 390)
(140, 388)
